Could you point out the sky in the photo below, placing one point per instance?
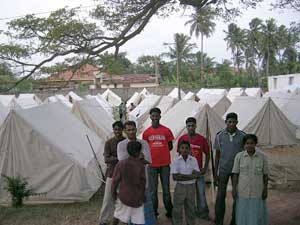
(158, 31)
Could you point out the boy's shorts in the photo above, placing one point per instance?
(126, 213)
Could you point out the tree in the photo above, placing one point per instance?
(282, 4)
(254, 35)
(147, 64)
(181, 52)
(269, 44)
(202, 24)
(63, 33)
(235, 38)
(115, 64)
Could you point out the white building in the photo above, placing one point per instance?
(284, 82)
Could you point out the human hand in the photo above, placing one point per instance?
(141, 156)
(265, 194)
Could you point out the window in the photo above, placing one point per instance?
(291, 80)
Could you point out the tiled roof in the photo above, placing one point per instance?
(86, 72)
(129, 78)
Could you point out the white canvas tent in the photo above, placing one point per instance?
(217, 91)
(26, 101)
(219, 103)
(165, 103)
(235, 92)
(206, 118)
(144, 93)
(262, 117)
(135, 99)
(174, 93)
(112, 98)
(189, 96)
(3, 113)
(59, 98)
(6, 100)
(94, 116)
(102, 102)
(254, 92)
(73, 97)
(141, 112)
(290, 106)
(48, 146)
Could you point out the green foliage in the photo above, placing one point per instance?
(25, 86)
(18, 188)
(112, 64)
(83, 87)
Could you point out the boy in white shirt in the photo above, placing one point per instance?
(185, 171)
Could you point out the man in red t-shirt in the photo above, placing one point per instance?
(160, 142)
(199, 146)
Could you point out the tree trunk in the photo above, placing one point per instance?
(202, 58)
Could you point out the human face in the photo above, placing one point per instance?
(118, 131)
(250, 146)
(231, 125)
(184, 150)
(155, 117)
(130, 132)
(191, 128)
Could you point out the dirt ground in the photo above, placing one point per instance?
(283, 207)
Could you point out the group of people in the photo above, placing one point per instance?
(134, 167)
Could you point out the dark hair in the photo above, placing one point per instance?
(249, 136)
(190, 120)
(184, 142)
(231, 115)
(129, 123)
(118, 124)
(134, 148)
(157, 110)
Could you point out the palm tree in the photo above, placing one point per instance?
(269, 43)
(253, 40)
(202, 24)
(235, 38)
(181, 52)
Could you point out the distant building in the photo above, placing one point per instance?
(127, 80)
(93, 76)
(283, 81)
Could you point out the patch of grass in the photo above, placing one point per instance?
(80, 213)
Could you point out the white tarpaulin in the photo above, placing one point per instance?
(105, 105)
(135, 99)
(26, 101)
(59, 98)
(290, 106)
(189, 96)
(216, 91)
(112, 98)
(73, 97)
(3, 113)
(144, 93)
(254, 92)
(48, 146)
(92, 114)
(262, 117)
(219, 103)
(174, 93)
(235, 92)
(5, 100)
(141, 112)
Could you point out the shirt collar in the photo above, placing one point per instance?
(245, 153)
(188, 158)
